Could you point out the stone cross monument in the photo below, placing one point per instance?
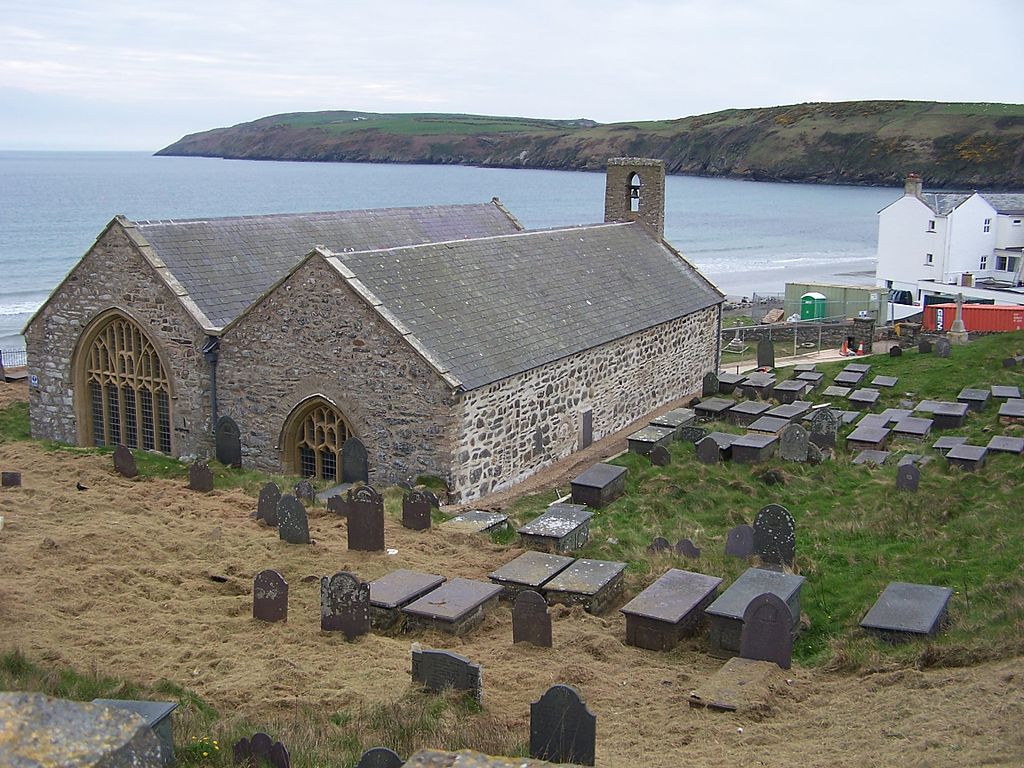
(958, 331)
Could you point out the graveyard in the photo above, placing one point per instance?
(141, 588)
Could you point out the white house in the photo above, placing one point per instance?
(952, 242)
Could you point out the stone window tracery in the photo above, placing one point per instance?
(319, 437)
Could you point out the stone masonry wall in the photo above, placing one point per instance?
(315, 336)
(513, 427)
(113, 275)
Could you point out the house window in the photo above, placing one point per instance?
(1007, 263)
(1016, 222)
(988, 225)
(929, 259)
(983, 262)
(931, 225)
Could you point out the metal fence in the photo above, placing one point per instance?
(790, 339)
(13, 358)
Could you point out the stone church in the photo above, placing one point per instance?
(449, 340)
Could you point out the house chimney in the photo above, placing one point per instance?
(912, 185)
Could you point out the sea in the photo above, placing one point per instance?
(747, 237)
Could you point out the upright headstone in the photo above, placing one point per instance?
(709, 385)
(531, 622)
(417, 507)
(587, 429)
(355, 467)
(344, 605)
(943, 348)
(825, 428)
(562, 729)
(924, 347)
(793, 443)
(708, 451)
(438, 670)
(1009, 362)
(767, 630)
(304, 490)
(200, 478)
(895, 351)
(266, 507)
(380, 757)
(124, 462)
(337, 505)
(765, 353)
(775, 535)
(659, 456)
(292, 523)
(260, 752)
(686, 548)
(740, 542)
(228, 442)
(659, 545)
(365, 519)
(908, 477)
(269, 596)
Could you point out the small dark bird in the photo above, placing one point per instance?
(80, 487)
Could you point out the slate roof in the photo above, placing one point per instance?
(225, 264)
(942, 203)
(488, 308)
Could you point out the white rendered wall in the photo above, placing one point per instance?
(1008, 234)
(903, 241)
(967, 238)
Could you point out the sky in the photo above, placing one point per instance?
(113, 75)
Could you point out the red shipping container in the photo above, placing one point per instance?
(999, 318)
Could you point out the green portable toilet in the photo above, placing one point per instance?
(812, 306)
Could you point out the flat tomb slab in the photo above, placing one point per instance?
(712, 408)
(848, 417)
(392, 591)
(740, 685)
(949, 415)
(645, 440)
(1012, 410)
(857, 367)
(913, 427)
(969, 457)
(723, 439)
(727, 382)
(871, 457)
(834, 391)
(974, 398)
(594, 584)
(848, 378)
(676, 418)
(793, 410)
(531, 570)
(812, 377)
(787, 391)
(770, 425)
(754, 447)
(893, 415)
(599, 485)
(1006, 444)
(726, 613)
(805, 368)
(908, 609)
(669, 609)
(747, 411)
(874, 420)
(457, 606)
(943, 444)
(868, 437)
(864, 398)
(561, 528)
(884, 381)
(1002, 392)
(758, 385)
(476, 521)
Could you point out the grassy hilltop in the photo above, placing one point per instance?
(857, 142)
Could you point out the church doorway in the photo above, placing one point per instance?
(122, 390)
(315, 438)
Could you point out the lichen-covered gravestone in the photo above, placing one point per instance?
(124, 462)
(765, 354)
(775, 535)
(200, 478)
(440, 670)
(269, 596)
(292, 523)
(380, 757)
(417, 508)
(304, 490)
(740, 542)
(365, 519)
(531, 622)
(345, 605)
(266, 507)
(793, 443)
(825, 428)
(709, 385)
(260, 751)
(943, 348)
(659, 456)
(767, 630)
(908, 477)
(562, 729)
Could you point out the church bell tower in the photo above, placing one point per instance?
(635, 191)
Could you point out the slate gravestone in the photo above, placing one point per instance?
(292, 524)
(943, 348)
(691, 434)
(269, 596)
(200, 478)
(259, 752)
(587, 429)
(266, 507)
(355, 468)
(659, 456)
(380, 757)
(686, 548)
(304, 490)
(767, 630)
(1009, 362)
(924, 347)
(659, 545)
(228, 442)
(765, 354)
(10, 479)
(417, 507)
(709, 385)
(775, 535)
(344, 605)
(908, 477)
(531, 622)
(895, 351)
(740, 542)
(438, 670)
(562, 729)
(793, 443)
(124, 462)
(708, 451)
(365, 519)
(904, 610)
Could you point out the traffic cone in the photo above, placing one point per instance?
(860, 349)
(845, 349)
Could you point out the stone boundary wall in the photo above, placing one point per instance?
(512, 428)
(113, 275)
(314, 336)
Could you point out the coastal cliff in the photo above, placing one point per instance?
(862, 142)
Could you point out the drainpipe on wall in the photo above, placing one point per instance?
(210, 350)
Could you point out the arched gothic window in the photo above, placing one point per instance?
(319, 435)
(127, 388)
